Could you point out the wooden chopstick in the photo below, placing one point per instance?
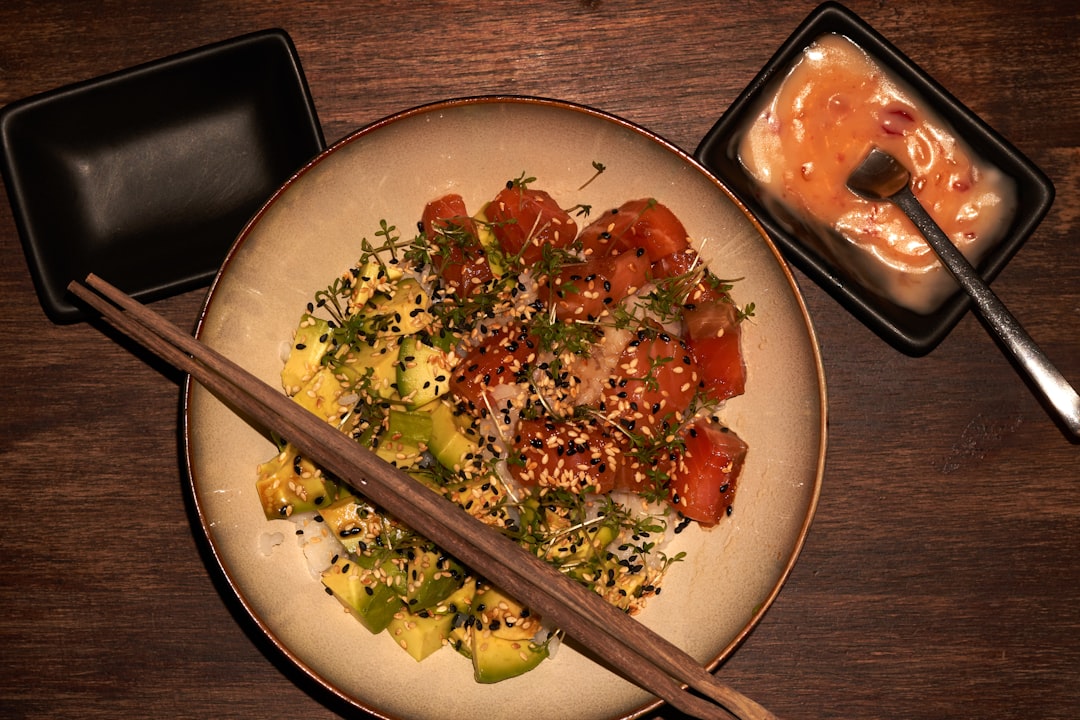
(616, 639)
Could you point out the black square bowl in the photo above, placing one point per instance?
(146, 176)
(910, 332)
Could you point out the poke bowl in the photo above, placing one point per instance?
(373, 187)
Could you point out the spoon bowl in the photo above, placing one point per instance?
(882, 177)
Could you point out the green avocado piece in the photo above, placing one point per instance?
(421, 633)
(583, 548)
(489, 242)
(502, 616)
(348, 519)
(580, 550)
(289, 483)
(501, 637)
(375, 365)
(330, 393)
(423, 372)
(405, 438)
(482, 497)
(412, 425)
(450, 443)
(370, 277)
(496, 659)
(403, 312)
(431, 578)
(354, 520)
(460, 638)
(310, 342)
(367, 587)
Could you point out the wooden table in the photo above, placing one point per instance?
(941, 577)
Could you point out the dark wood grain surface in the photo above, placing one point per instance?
(941, 576)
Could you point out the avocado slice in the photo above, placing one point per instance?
(489, 242)
(431, 577)
(357, 524)
(323, 393)
(289, 483)
(460, 637)
(450, 443)
(502, 616)
(414, 426)
(501, 642)
(584, 547)
(360, 585)
(422, 632)
(371, 276)
(423, 372)
(375, 365)
(496, 659)
(482, 497)
(403, 312)
(310, 342)
(405, 439)
(501, 635)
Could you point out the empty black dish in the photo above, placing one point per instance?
(146, 176)
(910, 332)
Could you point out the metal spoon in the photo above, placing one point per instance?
(881, 177)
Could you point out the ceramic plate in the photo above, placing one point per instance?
(310, 232)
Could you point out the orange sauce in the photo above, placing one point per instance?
(833, 105)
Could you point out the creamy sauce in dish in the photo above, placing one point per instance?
(830, 109)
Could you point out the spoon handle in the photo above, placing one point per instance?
(1047, 378)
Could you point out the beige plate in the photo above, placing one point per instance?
(310, 232)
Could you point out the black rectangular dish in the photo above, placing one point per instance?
(913, 333)
(145, 176)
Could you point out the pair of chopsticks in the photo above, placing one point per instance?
(613, 637)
